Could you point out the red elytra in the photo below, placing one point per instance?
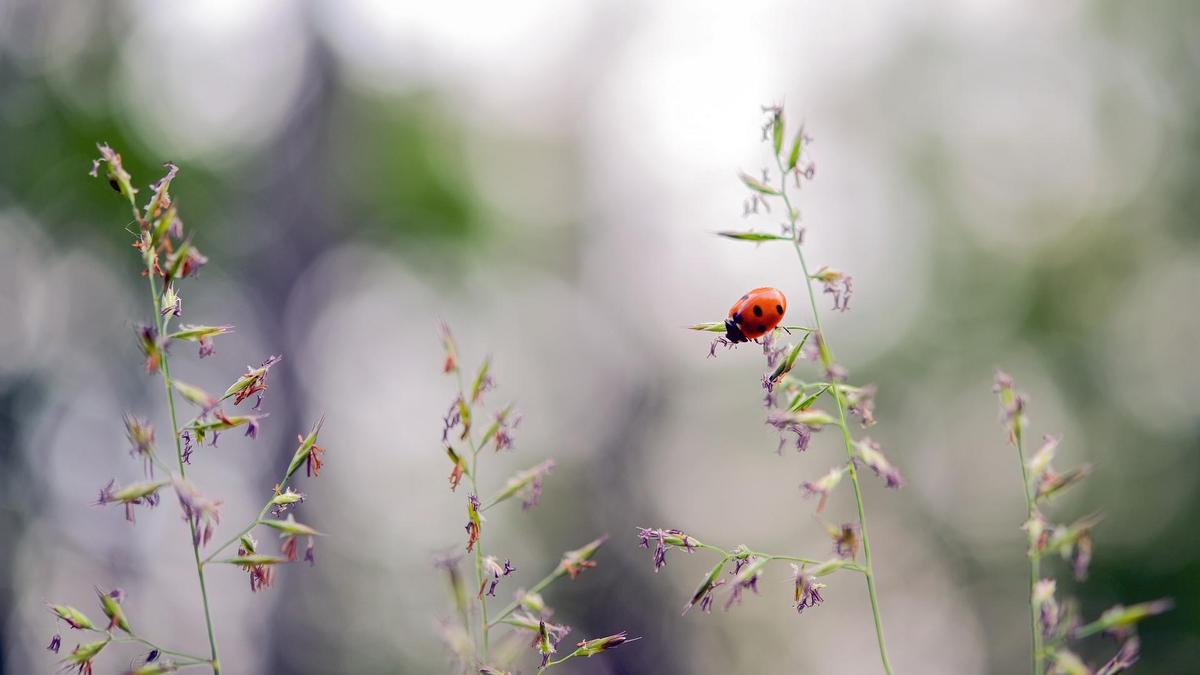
(755, 314)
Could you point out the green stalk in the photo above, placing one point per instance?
(165, 369)
(1034, 559)
(483, 614)
(869, 569)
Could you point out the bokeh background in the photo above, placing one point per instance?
(1011, 184)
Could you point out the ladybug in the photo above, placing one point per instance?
(755, 314)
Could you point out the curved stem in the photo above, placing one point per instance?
(143, 641)
(165, 369)
(827, 356)
(253, 524)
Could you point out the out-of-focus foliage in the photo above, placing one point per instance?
(1009, 185)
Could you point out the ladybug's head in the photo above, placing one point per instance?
(733, 332)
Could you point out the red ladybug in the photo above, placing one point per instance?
(755, 314)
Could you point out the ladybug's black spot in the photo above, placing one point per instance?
(762, 327)
(779, 310)
(737, 318)
(757, 310)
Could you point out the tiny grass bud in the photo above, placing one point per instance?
(825, 485)
(592, 647)
(308, 452)
(72, 617)
(704, 593)
(870, 453)
(253, 382)
(202, 335)
(665, 539)
(807, 592)
(474, 522)
(110, 602)
(80, 660)
(528, 483)
(575, 562)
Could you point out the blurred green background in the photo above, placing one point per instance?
(1010, 184)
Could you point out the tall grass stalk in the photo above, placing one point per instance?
(1055, 625)
(792, 404)
(169, 257)
(528, 618)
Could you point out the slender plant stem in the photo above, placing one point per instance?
(483, 613)
(143, 641)
(869, 569)
(253, 524)
(165, 369)
(1034, 559)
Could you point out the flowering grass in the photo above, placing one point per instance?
(169, 257)
(528, 618)
(798, 406)
(1054, 624)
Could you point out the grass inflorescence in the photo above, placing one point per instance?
(798, 406)
(1055, 624)
(169, 257)
(528, 618)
